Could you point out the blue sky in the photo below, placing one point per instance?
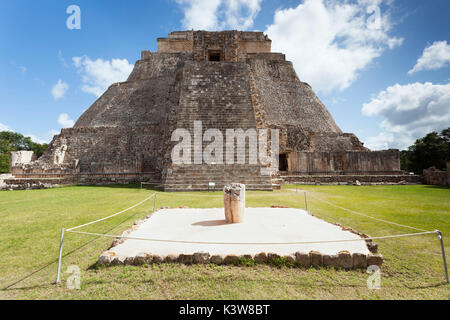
(356, 60)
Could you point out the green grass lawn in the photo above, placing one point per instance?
(31, 223)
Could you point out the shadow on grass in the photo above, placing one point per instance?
(437, 187)
(7, 288)
(120, 186)
(271, 282)
(302, 273)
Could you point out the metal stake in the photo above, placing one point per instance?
(306, 203)
(154, 202)
(439, 234)
(60, 256)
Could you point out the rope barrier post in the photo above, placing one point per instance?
(441, 238)
(154, 201)
(60, 256)
(306, 203)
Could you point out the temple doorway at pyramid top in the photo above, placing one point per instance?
(225, 46)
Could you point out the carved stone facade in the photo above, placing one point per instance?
(227, 80)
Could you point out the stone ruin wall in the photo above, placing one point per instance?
(435, 176)
(99, 150)
(345, 162)
(21, 157)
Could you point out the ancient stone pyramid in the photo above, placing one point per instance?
(226, 79)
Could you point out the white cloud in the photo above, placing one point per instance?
(61, 59)
(48, 136)
(45, 138)
(434, 57)
(409, 112)
(330, 42)
(219, 14)
(4, 127)
(22, 69)
(59, 89)
(35, 139)
(65, 121)
(98, 75)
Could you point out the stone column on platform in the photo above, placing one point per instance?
(234, 202)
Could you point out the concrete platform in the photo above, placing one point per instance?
(261, 225)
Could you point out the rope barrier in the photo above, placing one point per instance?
(367, 216)
(113, 215)
(253, 243)
(423, 232)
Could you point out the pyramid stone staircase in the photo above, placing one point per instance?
(218, 95)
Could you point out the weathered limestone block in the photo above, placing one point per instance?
(216, 259)
(272, 256)
(106, 258)
(141, 259)
(345, 260)
(60, 154)
(186, 258)
(170, 259)
(290, 259)
(118, 260)
(234, 202)
(201, 257)
(231, 259)
(374, 260)
(18, 158)
(247, 256)
(261, 257)
(302, 259)
(359, 261)
(156, 258)
(331, 260)
(316, 259)
(372, 246)
(129, 261)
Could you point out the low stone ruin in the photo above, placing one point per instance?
(342, 260)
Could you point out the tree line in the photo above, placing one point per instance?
(429, 151)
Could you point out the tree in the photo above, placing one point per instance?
(405, 163)
(12, 141)
(446, 134)
(429, 151)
